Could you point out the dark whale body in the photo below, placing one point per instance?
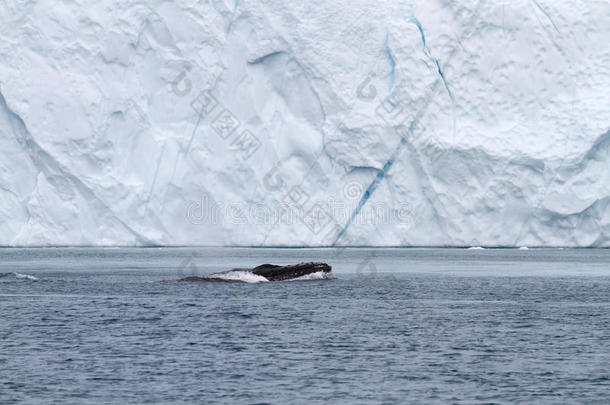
(272, 272)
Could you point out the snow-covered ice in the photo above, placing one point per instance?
(347, 122)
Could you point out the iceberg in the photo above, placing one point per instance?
(273, 123)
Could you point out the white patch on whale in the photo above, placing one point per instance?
(249, 277)
(318, 275)
(239, 275)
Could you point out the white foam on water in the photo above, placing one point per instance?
(239, 275)
(524, 248)
(319, 275)
(476, 248)
(26, 276)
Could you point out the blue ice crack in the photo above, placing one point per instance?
(546, 14)
(391, 60)
(372, 187)
(421, 31)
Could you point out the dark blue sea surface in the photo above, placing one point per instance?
(392, 326)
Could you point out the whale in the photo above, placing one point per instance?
(270, 272)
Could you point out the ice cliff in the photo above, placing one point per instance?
(243, 122)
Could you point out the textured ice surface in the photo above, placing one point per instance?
(268, 122)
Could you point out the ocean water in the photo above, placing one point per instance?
(391, 326)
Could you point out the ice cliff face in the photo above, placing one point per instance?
(305, 123)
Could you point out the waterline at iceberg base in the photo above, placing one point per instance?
(268, 123)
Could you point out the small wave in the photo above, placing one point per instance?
(320, 275)
(26, 276)
(243, 276)
(476, 248)
(524, 248)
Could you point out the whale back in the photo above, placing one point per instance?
(274, 272)
(271, 272)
